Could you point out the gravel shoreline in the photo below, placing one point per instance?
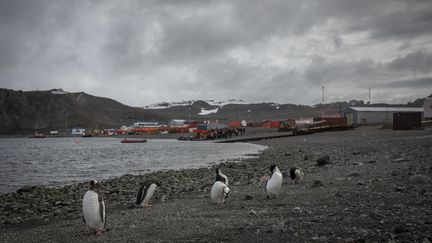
(375, 188)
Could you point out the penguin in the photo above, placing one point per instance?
(221, 177)
(145, 193)
(296, 174)
(94, 209)
(219, 192)
(274, 184)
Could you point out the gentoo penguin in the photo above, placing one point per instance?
(296, 174)
(220, 176)
(219, 192)
(274, 184)
(145, 193)
(94, 208)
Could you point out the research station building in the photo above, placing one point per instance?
(377, 115)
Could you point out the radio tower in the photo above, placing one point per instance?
(369, 96)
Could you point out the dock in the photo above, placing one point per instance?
(256, 137)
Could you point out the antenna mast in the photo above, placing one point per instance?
(322, 94)
(369, 95)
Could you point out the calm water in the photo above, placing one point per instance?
(60, 161)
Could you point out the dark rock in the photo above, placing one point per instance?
(286, 174)
(25, 189)
(248, 197)
(401, 229)
(420, 179)
(288, 154)
(338, 194)
(354, 174)
(361, 183)
(307, 157)
(252, 212)
(317, 183)
(371, 161)
(323, 161)
(376, 216)
(399, 189)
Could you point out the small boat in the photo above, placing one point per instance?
(134, 140)
(38, 135)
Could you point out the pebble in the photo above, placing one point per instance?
(324, 161)
(401, 229)
(399, 189)
(252, 212)
(420, 179)
(248, 197)
(354, 174)
(317, 183)
(361, 183)
(398, 160)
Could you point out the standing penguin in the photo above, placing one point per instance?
(94, 208)
(145, 193)
(221, 177)
(219, 192)
(274, 184)
(296, 174)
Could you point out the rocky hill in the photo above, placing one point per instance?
(25, 112)
(203, 110)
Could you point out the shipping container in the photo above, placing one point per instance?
(406, 120)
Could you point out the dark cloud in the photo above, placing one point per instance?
(418, 62)
(423, 82)
(284, 50)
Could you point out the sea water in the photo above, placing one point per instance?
(62, 161)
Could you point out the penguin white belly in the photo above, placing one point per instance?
(149, 194)
(219, 192)
(92, 211)
(274, 184)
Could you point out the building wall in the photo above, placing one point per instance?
(373, 117)
(427, 106)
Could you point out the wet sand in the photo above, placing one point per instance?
(376, 188)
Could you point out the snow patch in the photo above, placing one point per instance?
(220, 104)
(207, 112)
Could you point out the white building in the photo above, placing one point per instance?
(427, 107)
(78, 131)
(375, 115)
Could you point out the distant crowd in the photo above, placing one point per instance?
(220, 133)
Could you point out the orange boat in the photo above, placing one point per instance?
(134, 140)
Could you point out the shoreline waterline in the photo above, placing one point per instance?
(55, 163)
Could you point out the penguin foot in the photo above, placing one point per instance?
(147, 205)
(98, 232)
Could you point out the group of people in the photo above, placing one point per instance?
(220, 133)
(94, 214)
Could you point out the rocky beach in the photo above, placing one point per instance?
(362, 185)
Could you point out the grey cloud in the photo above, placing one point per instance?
(423, 82)
(418, 62)
(180, 48)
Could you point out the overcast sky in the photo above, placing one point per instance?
(142, 52)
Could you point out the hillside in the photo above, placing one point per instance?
(25, 112)
(202, 110)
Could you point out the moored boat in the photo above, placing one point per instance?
(134, 140)
(38, 135)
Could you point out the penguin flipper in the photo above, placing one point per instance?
(102, 209)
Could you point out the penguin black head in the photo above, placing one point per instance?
(217, 170)
(272, 168)
(158, 183)
(93, 184)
